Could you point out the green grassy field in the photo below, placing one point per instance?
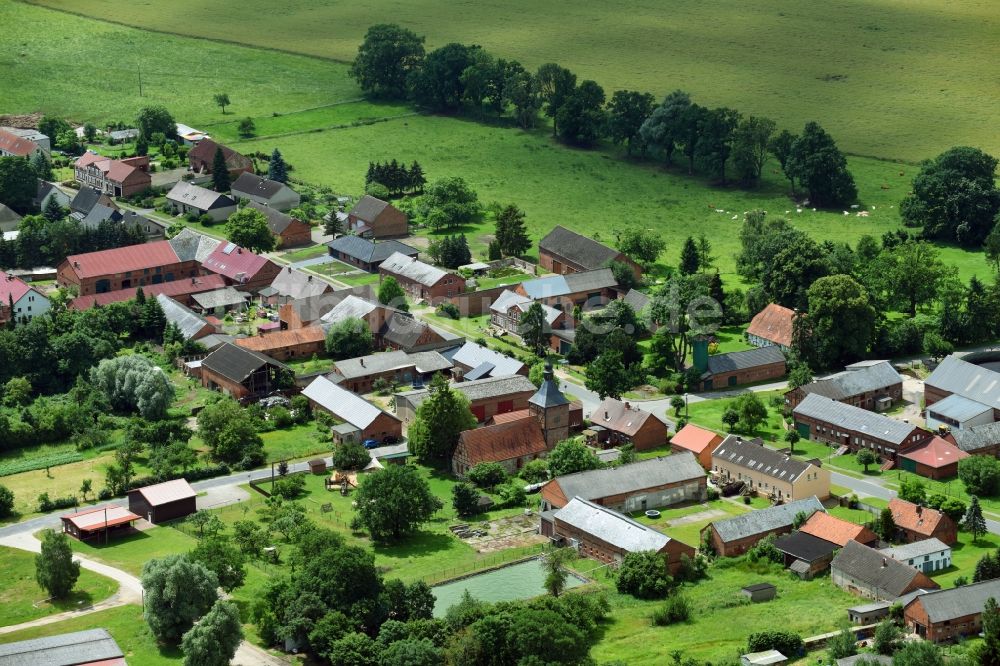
(21, 600)
(879, 75)
(708, 414)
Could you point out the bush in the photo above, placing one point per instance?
(488, 474)
(449, 310)
(6, 502)
(511, 494)
(377, 190)
(677, 609)
(712, 494)
(350, 456)
(280, 417)
(105, 494)
(785, 642)
(535, 471)
(46, 504)
(644, 575)
(290, 487)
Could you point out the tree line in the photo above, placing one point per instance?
(396, 178)
(44, 241)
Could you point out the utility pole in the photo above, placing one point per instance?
(139, 69)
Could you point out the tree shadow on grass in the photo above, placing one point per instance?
(420, 544)
(116, 539)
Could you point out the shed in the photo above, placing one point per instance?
(760, 592)
(92, 647)
(163, 501)
(766, 658)
(90, 523)
(868, 613)
(317, 466)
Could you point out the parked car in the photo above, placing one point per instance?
(370, 443)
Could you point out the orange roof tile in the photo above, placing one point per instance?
(282, 339)
(909, 516)
(695, 439)
(16, 145)
(510, 416)
(773, 323)
(935, 452)
(836, 530)
(504, 441)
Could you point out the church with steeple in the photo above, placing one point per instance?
(516, 438)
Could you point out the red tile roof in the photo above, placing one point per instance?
(909, 516)
(180, 287)
(773, 323)
(205, 152)
(935, 452)
(282, 339)
(622, 417)
(695, 439)
(16, 145)
(12, 288)
(507, 417)
(836, 530)
(234, 262)
(504, 441)
(123, 259)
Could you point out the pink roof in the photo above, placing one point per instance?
(16, 145)
(935, 452)
(167, 492)
(89, 158)
(179, 287)
(12, 288)
(123, 259)
(100, 518)
(115, 170)
(237, 263)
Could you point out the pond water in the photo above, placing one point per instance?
(516, 581)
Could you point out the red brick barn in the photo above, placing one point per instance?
(622, 423)
(951, 614)
(420, 281)
(164, 501)
(374, 218)
(734, 536)
(563, 251)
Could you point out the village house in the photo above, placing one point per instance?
(284, 345)
(508, 308)
(180, 290)
(607, 536)
(85, 199)
(772, 326)
(19, 301)
(31, 134)
(916, 523)
(287, 230)
(268, 193)
(291, 284)
(738, 368)
(402, 331)
(241, 267)
(352, 308)
(618, 423)
(92, 647)
(49, 191)
(191, 325)
(871, 385)
(638, 486)
(374, 218)
(420, 281)
(117, 178)
(734, 536)
(588, 290)
(512, 444)
(361, 420)
(124, 268)
(805, 555)
(698, 441)
(307, 311)
(767, 472)
(185, 198)
(165, 501)
(367, 254)
(241, 373)
(929, 555)
(219, 301)
(473, 361)
(14, 145)
(935, 458)
(824, 420)
(955, 376)
(487, 397)
(951, 614)
(563, 251)
(202, 156)
(393, 367)
(837, 530)
(866, 572)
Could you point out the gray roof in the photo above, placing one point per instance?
(374, 364)
(572, 283)
(189, 322)
(219, 298)
(123, 134)
(636, 299)
(294, 283)
(368, 208)
(742, 360)
(390, 451)
(765, 520)
(472, 355)
(857, 379)
(867, 656)
(908, 551)
(403, 330)
(198, 197)
(189, 245)
(752, 454)
(351, 307)
(99, 213)
(276, 220)
(977, 438)
(509, 299)
(214, 340)
(611, 527)
(259, 186)
(398, 263)
(598, 483)
(548, 394)
(579, 249)
(872, 568)
(79, 647)
(968, 380)
(314, 307)
(958, 408)
(491, 387)
(84, 200)
(957, 602)
(853, 418)
(368, 251)
(805, 547)
(343, 404)
(237, 363)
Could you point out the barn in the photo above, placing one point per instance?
(163, 501)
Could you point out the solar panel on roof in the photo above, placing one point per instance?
(229, 248)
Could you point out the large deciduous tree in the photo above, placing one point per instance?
(18, 184)
(751, 140)
(394, 503)
(248, 228)
(840, 324)
(447, 203)
(643, 246)
(178, 592)
(230, 433)
(155, 119)
(715, 141)
(134, 383)
(607, 375)
(581, 118)
(439, 421)
(55, 570)
(627, 111)
(570, 456)
(819, 166)
(437, 85)
(392, 294)
(386, 57)
(349, 339)
(214, 640)
(555, 85)
(534, 329)
(664, 128)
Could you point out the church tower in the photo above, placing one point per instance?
(551, 408)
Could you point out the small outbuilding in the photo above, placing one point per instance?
(164, 501)
(765, 658)
(91, 647)
(98, 521)
(317, 466)
(759, 592)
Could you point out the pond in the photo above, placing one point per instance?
(516, 581)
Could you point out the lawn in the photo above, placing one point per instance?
(708, 414)
(130, 552)
(964, 556)
(22, 600)
(126, 626)
(305, 366)
(296, 442)
(684, 525)
(304, 253)
(852, 66)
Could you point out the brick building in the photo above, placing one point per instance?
(367, 254)
(871, 385)
(117, 178)
(837, 530)
(285, 345)
(772, 326)
(916, 523)
(698, 441)
(420, 281)
(307, 311)
(374, 218)
(394, 367)
(241, 373)
(588, 290)
(165, 501)
(767, 472)
(935, 458)
(866, 572)
(739, 368)
(124, 268)
(202, 156)
(487, 397)
(563, 251)
(260, 191)
(361, 420)
(618, 423)
(241, 267)
(290, 231)
(952, 614)
(734, 536)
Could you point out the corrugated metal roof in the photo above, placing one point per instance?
(959, 408)
(853, 418)
(968, 380)
(598, 483)
(472, 355)
(742, 360)
(765, 520)
(876, 376)
(373, 364)
(189, 322)
(957, 602)
(79, 647)
(412, 269)
(370, 252)
(572, 283)
(610, 526)
(167, 492)
(100, 518)
(343, 404)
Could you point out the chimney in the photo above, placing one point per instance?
(739, 438)
(606, 417)
(362, 361)
(289, 269)
(627, 406)
(920, 509)
(309, 278)
(239, 250)
(885, 563)
(76, 264)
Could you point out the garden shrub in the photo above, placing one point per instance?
(785, 642)
(643, 574)
(677, 609)
(488, 474)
